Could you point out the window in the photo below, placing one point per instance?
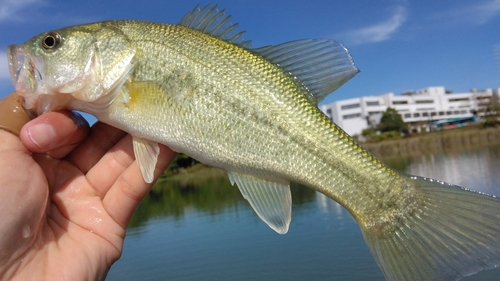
(351, 116)
(349, 106)
(459, 99)
(374, 112)
(425, 114)
(416, 114)
(399, 102)
(424, 101)
(407, 115)
(433, 114)
(372, 103)
(329, 113)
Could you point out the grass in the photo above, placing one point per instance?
(455, 139)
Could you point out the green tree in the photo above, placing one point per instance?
(492, 112)
(392, 121)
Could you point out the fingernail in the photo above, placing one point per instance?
(42, 135)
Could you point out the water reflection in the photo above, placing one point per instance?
(211, 193)
(201, 228)
(327, 205)
(474, 169)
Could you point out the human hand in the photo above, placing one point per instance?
(67, 193)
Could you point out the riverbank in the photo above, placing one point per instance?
(448, 140)
(195, 174)
(456, 139)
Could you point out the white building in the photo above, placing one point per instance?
(418, 108)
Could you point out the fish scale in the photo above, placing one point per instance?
(298, 110)
(200, 89)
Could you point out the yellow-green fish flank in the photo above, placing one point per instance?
(200, 89)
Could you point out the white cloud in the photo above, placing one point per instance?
(489, 10)
(478, 13)
(377, 32)
(9, 9)
(33, 10)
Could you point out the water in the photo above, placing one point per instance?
(207, 231)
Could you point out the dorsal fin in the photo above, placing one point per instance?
(322, 65)
(211, 21)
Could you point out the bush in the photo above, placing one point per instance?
(368, 132)
(491, 122)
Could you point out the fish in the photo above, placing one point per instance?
(201, 89)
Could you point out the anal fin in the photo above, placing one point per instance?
(146, 154)
(271, 200)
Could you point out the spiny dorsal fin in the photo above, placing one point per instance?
(211, 21)
(322, 65)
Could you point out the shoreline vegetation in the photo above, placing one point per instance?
(468, 137)
(187, 170)
(196, 173)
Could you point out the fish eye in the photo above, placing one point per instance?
(51, 40)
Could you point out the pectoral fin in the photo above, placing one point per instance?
(146, 154)
(272, 201)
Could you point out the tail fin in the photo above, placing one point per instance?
(456, 233)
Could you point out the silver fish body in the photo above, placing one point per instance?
(253, 112)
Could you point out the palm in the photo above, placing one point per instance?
(90, 191)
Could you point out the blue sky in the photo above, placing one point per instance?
(398, 45)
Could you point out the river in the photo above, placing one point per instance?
(207, 231)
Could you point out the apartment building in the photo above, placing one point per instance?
(418, 108)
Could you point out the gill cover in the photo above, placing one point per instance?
(87, 64)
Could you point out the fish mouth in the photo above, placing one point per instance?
(15, 55)
(24, 69)
(26, 74)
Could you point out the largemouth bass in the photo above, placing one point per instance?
(253, 112)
